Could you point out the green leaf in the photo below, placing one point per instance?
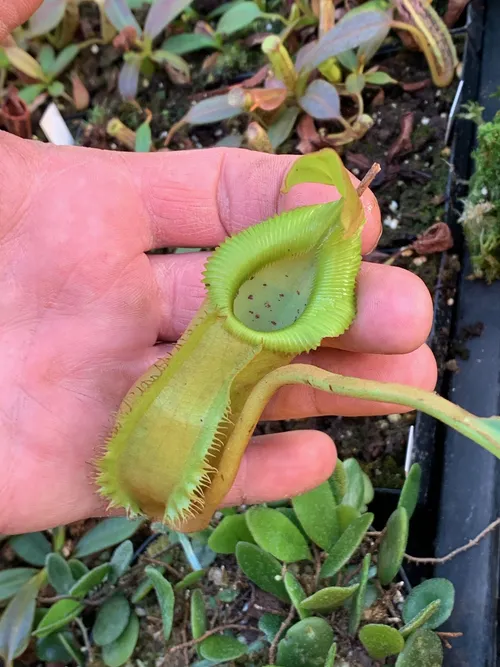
(59, 573)
(111, 620)
(90, 580)
(51, 649)
(17, 620)
(368, 490)
(316, 512)
(72, 649)
(198, 615)
(238, 17)
(276, 534)
(230, 531)
(419, 620)
(78, 569)
(25, 63)
(120, 560)
(280, 130)
(338, 482)
(358, 603)
(189, 580)
(348, 59)
(59, 615)
(355, 491)
(330, 658)
(306, 644)
(355, 83)
(381, 641)
(347, 545)
(345, 516)
(168, 58)
(166, 599)
(189, 42)
(119, 652)
(63, 60)
(29, 93)
(222, 647)
(11, 580)
(56, 89)
(422, 596)
(411, 490)
(261, 568)
(31, 547)
(46, 58)
(379, 78)
(269, 624)
(330, 598)
(423, 649)
(4, 61)
(392, 547)
(106, 534)
(143, 138)
(296, 593)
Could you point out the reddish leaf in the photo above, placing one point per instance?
(403, 142)
(126, 38)
(437, 238)
(414, 86)
(120, 15)
(266, 99)
(15, 115)
(308, 134)
(254, 80)
(81, 96)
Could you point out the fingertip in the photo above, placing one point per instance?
(283, 465)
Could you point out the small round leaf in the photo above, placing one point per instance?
(276, 534)
(120, 560)
(222, 648)
(59, 615)
(261, 568)
(119, 652)
(166, 599)
(358, 603)
(59, 573)
(198, 615)
(381, 641)
(111, 620)
(347, 545)
(346, 515)
(230, 531)
(11, 580)
(90, 580)
(423, 649)
(419, 620)
(106, 534)
(393, 546)
(316, 512)
(422, 596)
(306, 644)
(329, 598)
(296, 593)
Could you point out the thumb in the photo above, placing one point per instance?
(13, 14)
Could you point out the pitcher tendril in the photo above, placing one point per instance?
(274, 291)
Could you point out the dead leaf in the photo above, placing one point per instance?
(454, 11)
(436, 238)
(256, 39)
(413, 86)
(403, 142)
(176, 75)
(210, 61)
(379, 98)
(255, 80)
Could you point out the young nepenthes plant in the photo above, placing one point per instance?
(274, 291)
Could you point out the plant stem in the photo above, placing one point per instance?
(486, 432)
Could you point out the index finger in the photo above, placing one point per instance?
(197, 198)
(13, 14)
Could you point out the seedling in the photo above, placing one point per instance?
(140, 54)
(273, 291)
(44, 71)
(341, 55)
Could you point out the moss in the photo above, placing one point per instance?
(385, 473)
(481, 215)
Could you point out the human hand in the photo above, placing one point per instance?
(84, 312)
